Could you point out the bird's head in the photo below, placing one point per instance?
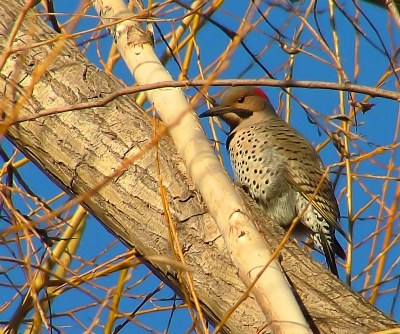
(242, 105)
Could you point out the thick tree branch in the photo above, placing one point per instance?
(78, 149)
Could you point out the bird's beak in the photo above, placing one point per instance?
(216, 111)
(222, 110)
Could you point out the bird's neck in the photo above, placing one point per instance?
(257, 117)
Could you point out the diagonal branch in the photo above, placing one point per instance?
(78, 149)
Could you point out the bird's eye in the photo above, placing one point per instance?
(240, 99)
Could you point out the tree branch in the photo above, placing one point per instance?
(79, 149)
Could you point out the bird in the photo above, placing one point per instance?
(279, 168)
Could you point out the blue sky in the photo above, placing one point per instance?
(376, 128)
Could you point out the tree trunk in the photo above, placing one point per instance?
(79, 148)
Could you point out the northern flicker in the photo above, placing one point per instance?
(279, 168)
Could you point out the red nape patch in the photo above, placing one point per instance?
(261, 93)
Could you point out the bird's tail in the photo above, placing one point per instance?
(331, 248)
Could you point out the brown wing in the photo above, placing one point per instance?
(306, 171)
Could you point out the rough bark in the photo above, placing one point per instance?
(79, 148)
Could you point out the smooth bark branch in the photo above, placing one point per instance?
(240, 235)
(78, 149)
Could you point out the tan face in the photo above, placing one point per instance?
(250, 98)
(241, 105)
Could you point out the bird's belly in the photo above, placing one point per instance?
(267, 186)
(282, 209)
